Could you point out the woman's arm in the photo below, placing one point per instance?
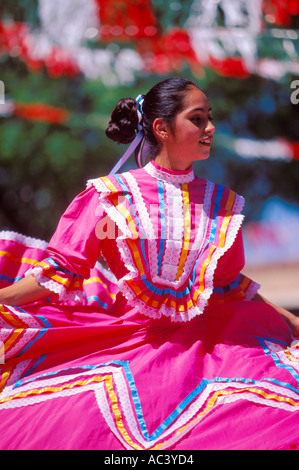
(291, 319)
(23, 292)
(74, 248)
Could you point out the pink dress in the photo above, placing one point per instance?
(163, 350)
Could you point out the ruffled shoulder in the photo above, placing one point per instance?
(170, 258)
(225, 198)
(182, 269)
(108, 185)
(116, 198)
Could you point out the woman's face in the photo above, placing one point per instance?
(191, 133)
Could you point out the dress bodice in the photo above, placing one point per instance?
(171, 239)
(170, 228)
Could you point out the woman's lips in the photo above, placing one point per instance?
(206, 142)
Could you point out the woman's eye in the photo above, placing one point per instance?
(198, 120)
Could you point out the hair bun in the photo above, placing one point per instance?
(123, 123)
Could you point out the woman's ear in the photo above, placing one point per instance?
(160, 129)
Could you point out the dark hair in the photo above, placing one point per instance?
(124, 121)
(165, 100)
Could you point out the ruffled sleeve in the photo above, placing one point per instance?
(73, 250)
(65, 285)
(229, 282)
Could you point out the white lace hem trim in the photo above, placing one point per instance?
(29, 242)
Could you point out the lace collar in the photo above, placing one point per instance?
(171, 176)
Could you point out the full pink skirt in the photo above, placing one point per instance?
(101, 375)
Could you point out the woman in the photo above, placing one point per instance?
(177, 350)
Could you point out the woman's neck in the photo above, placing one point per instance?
(165, 161)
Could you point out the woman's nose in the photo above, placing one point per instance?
(210, 128)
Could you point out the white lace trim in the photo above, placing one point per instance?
(252, 290)
(26, 337)
(238, 204)
(193, 255)
(106, 273)
(186, 419)
(120, 222)
(200, 237)
(147, 226)
(202, 301)
(23, 239)
(219, 252)
(165, 175)
(287, 355)
(110, 209)
(50, 284)
(125, 253)
(30, 321)
(190, 416)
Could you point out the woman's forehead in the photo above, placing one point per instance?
(196, 100)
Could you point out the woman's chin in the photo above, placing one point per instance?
(203, 155)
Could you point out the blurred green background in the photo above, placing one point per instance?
(64, 65)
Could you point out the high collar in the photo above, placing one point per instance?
(171, 176)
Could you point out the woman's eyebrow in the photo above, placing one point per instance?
(201, 109)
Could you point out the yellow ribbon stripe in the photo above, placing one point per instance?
(290, 357)
(136, 255)
(117, 414)
(5, 377)
(223, 230)
(230, 201)
(15, 335)
(121, 208)
(227, 218)
(202, 274)
(245, 283)
(16, 322)
(79, 383)
(213, 400)
(97, 279)
(8, 255)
